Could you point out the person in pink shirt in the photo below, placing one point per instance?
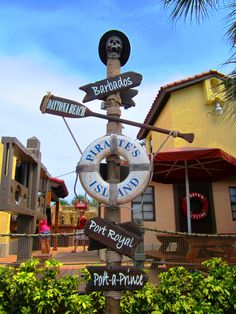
(44, 230)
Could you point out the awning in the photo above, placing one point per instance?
(204, 165)
(58, 188)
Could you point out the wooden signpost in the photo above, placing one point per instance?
(126, 98)
(113, 236)
(118, 238)
(115, 278)
(72, 109)
(102, 89)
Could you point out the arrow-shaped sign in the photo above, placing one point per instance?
(126, 98)
(115, 278)
(113, 236)
(73, 109)
(102, 89)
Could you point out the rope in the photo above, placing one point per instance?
(172, 133)
(117, 295)
(35, 235)
(72, 135)
(113, 256)
(214, 235)
(65, 174)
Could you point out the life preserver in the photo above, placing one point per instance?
(114, 193)
(204, 209)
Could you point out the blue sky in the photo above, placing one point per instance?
(53, 46)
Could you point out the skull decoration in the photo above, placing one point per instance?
(114, 47)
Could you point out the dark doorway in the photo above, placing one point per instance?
(203, 225)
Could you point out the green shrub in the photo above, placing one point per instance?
(182, 291)
(35, 289)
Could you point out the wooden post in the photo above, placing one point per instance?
(56, 225)
(112, 212)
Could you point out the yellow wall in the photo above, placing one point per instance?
(189, 110)
(4, 228)
(5, 217)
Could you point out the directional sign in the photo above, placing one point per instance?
(130, 226)
(116, 278)
(73, 109)
(102, 89)
(113, 236)
(126, 97)
(62, 107)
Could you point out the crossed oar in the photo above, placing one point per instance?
(73, 109)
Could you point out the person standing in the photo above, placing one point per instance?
(45, 231)
(80, 237)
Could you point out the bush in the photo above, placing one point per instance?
(182, 291)
(35, 289)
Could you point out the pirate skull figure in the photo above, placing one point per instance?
(114, 47)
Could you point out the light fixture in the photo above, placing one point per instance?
(218, 110)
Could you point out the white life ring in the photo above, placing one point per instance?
(114, 193)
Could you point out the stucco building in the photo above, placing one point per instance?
(195, 104)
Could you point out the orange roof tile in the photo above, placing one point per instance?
(164, 94)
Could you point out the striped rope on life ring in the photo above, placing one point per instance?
(204, 209)
(114, 193)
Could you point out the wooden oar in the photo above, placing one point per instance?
(73, 109)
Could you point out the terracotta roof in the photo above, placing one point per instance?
(164, 94)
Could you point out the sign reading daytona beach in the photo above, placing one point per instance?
(62, 107)
(114, 193)
(101, 89)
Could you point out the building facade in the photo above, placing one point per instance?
(195, 104)
(26, 189)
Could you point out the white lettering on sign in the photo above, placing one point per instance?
(120, 279)
(119, 240)
(66, 107)
(101, 280)
(111, 86)
(124, 191)
(99, 148)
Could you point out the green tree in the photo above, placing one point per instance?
(63, 202)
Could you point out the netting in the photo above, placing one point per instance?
(160, 250)
(169, 249)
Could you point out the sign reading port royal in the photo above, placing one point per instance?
(101, 89)
(113, 236)
(116, 278)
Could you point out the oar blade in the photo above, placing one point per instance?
(63, 107)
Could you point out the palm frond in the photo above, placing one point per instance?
(199, 9)
(229, 83)
(231, 22)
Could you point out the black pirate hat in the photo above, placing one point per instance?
(125, 50)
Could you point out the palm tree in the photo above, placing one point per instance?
(200, 10)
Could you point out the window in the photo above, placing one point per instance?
(143, 206)
(232, 193)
